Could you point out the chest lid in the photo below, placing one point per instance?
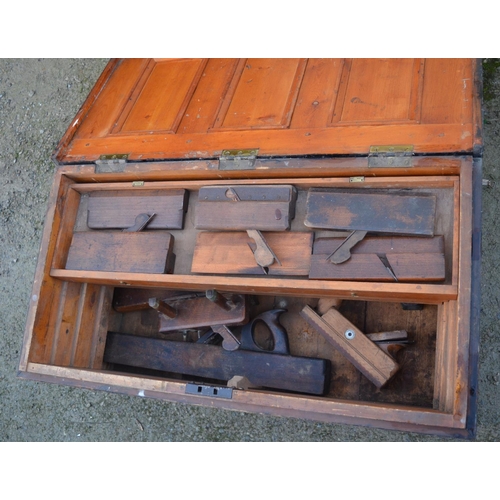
(160, 109)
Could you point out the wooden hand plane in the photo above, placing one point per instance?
(361, 211)
(275, 369)
(372, 360)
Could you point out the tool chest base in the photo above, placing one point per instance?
(332, 278)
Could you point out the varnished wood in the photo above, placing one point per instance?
(278, 106)
(393, 417)
(375, 182)
(391, 292)
(264, 168)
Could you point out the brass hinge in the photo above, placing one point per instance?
(111, 163)
(391, 156)
(238, 159)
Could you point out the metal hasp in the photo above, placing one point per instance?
(391, 156)
(210, 390)
(238, 159)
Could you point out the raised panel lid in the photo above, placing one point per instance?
(158, 109)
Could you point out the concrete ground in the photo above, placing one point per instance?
(38, 99)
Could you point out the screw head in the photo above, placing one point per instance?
(349, 334)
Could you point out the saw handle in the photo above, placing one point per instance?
(271, 319)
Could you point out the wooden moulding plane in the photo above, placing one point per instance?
(372, 360)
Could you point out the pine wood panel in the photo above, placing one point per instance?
(163, 97)
(381, 91)
(262, 94)
(193, 108)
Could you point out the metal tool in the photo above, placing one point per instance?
(141, 221)
(385, 261)
(247, 341)
(264, 256)
(229, 342)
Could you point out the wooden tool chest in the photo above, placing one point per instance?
(320, 217)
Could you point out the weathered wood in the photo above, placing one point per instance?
(382, 212)
(265, 208)
(232, 253)
(277, 371)
(142, 252)
(413, 259)
(118, 209)
(384, 244)
(368, 358)
(201, 312)
(408, 268)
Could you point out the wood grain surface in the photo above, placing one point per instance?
(231, 253)
(118, 209)
(201, 312)
(394, 212)
(143, 252)
(412, 259)
(282, 107)
(263, 369)
(368, 358)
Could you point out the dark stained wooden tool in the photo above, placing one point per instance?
(263, 208)
(372, 361)
(119, 209)
(273, 369)
(382, 258)
(201, 312)
(232, 253)
(136, 252)
(360, 211)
